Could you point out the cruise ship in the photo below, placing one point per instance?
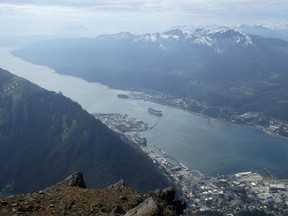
(155, 111)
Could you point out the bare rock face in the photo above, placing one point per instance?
(147, 208)
(168, 194)
(69, 197)
(160, 203)
(117, 210)
(75, 180)
(118, 185)
(179, 205)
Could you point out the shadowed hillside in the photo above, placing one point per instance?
(45, 136)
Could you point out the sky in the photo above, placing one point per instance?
(24, 17)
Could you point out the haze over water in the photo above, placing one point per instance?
(189, 138)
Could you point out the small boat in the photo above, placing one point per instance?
(155, 111)
(122, 96)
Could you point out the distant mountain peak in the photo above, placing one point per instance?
(220, 37)
(268, 25)
(269, 29)
(117, 36)
(174, 32)
(216, 37)
(150, 37)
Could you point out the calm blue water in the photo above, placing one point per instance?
(189, 138)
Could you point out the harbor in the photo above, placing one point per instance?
(123, 124)
(183, 135)
(229, 194)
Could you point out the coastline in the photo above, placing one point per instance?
(157, 97)
(217, 122)
(221, 122)
(262, 129)
(149, 95)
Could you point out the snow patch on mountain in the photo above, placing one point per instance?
(118, 36)
(151, 37)
(219, 38)
(215, 37)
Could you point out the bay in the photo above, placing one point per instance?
(189, 138)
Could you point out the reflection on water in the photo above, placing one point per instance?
(191, 139)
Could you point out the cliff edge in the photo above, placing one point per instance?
(70, 197)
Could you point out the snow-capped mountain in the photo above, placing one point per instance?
(118, 36)
(218, 38)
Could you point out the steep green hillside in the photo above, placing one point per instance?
(44, 136)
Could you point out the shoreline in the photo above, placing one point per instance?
(139, 94)
(220, 122)
(161, 99)
(217, 122)
(262, 129)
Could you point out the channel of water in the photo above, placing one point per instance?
(189, 138)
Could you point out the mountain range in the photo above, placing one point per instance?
(271, 30)
(220, 67)
(45, 136)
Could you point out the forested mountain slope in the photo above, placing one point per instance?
(45, 136)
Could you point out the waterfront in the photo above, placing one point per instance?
(228, 194)
(189, 138)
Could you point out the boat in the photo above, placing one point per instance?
(155, 111)
(122, 96)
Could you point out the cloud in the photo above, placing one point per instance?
(153, 6)
(210, 5)
(138, 15)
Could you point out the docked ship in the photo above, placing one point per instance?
(138, 138)
(155, 111)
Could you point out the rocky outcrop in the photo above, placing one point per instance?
(118, 185)
(168, 194)
(149, 207)
(70, 197)
(159, 203)
(74, 180)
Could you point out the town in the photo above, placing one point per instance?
(271, 126)
(229, 194)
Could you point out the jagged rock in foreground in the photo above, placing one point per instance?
(70, 197)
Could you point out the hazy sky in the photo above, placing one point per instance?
(137, 16)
